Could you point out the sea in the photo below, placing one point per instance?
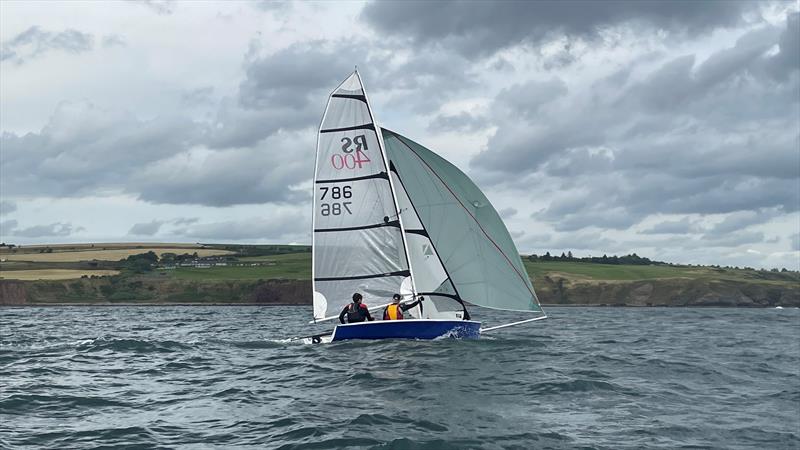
(228, 377)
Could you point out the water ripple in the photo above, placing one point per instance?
(151, 377)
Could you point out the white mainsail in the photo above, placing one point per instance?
(358, 244)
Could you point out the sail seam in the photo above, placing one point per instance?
(367, 126)
(394, 223)
(382, 175)
(400, 138)
(403, 273)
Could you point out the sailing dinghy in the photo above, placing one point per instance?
(391, 216)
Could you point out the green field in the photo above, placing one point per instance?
(608, 271)
(298, 266)
(295, 266)
(277, 261)
(621, 272)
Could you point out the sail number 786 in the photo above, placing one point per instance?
(336, 193)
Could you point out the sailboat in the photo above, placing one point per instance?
(391, 216)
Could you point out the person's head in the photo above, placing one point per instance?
(396, 298)
(357, 298)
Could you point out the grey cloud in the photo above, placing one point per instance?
(220, 178)
(462, 121)
(424, 80)
(35, 42)
(273, 5)
(284, 90)
(734, 239)
(146, 229)
(485, 27)
(795, 242)
(197, 96)
(289, 77)
(682, 226)
(53, 229)
(113, 40)
(741, 219)
(521, 147)
(581, 241)
(576, 209)
(677, 82)
(237, 127)
(160, 7)
(714, 195)
(528, 98)
(185, 220)
(617, 218)
(728, 142)
(507, 213)
(275, 227)
(787, 61)
(7, 207)
(7, 226)
(84, 148)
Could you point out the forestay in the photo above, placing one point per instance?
(460, 228)
(357, 241)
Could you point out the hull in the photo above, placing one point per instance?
(408, 329)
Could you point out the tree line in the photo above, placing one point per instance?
(632, 259)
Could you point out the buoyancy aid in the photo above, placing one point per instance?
(393, 312)
(355, 313)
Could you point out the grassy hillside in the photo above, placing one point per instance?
(241, 273)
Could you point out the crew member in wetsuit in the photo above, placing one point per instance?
(356, 311)
(395, 310)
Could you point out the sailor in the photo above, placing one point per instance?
(356, 311)
(395, 310)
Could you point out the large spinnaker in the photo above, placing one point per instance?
(469, 236)
(357, 240)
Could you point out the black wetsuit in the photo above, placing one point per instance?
(355, 313)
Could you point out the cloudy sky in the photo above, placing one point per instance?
(669, 129)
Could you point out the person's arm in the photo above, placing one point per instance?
(366, 311)
(408, 306)
(341, 314)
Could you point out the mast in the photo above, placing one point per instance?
(379, 134)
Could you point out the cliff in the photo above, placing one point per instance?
(666, 292)
(109, 290)
(552, 289)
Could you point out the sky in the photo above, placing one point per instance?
(668, 129)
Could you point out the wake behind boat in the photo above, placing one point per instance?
(391, 216)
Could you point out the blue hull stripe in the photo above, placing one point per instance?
(408, 329)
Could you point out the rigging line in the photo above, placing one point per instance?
(400, 138)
